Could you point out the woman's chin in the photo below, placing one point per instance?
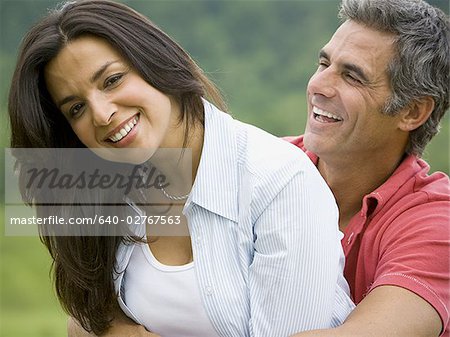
(134, 156)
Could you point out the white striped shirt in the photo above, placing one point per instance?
(264, 233)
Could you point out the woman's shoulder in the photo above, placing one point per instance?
(272, 165)
(255, 151)
(265, 153)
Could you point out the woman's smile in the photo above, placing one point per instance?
(124, 132)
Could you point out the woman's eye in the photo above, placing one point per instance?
(113, 80)
(75, 110)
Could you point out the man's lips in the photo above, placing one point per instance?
(325, 116)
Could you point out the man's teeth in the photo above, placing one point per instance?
(321, 112)
(125, 130)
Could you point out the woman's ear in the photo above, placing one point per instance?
(416, 114)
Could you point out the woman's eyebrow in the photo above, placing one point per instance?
(101, 70)
(98, 73)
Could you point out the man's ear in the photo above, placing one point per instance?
(416, 114)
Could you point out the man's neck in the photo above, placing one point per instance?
(350, 181)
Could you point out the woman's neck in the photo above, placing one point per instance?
(179, 165)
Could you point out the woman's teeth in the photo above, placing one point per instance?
(125, 130)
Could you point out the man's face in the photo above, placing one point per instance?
(347, 93)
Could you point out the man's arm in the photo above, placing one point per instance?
(387, 311)
(122, 326)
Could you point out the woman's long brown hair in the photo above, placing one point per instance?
(84, 265)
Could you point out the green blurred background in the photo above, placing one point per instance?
(260, 53)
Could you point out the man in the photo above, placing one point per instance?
(375, 101)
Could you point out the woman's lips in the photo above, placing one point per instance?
(123, 130)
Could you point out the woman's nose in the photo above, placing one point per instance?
(102, 111)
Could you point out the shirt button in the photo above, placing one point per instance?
(349, 240)
(199, 240)
(209, 290)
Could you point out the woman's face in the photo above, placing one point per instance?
(107, 103)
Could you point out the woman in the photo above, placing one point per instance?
(261, 255)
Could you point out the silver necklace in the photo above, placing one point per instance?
(173, 197)
(166, 194)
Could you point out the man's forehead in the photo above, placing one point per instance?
(367, 47)
(363, 36)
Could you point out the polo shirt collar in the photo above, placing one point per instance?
(407, 169)
(215, 185)
(375, 200)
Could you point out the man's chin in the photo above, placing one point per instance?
(310, 141)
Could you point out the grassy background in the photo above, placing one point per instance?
(28, 303)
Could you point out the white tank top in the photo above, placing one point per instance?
(165, 299)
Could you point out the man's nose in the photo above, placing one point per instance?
(323, 83)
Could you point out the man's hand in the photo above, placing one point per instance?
(387, 311)
(122, 326)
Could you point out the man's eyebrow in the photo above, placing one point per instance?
(348, 66)
(100, 71)
(357, 70)
(323, 54)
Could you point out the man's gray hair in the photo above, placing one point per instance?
(421, 63)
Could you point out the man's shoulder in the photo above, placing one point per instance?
(411, 200)
(436, 184)
(415, 182)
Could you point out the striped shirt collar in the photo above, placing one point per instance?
(216, 183)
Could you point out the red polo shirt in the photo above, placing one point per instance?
(401, 236)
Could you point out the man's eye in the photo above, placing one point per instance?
(113, 80)
(352, 78)
(322, 65)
